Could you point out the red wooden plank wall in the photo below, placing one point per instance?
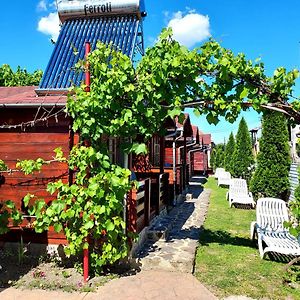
(169, 156)
(14, 146)
(200, 161)
(28, 145)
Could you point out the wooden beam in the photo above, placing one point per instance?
(162, 154)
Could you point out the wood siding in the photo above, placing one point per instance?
(200, 162)
(31, 143)
(14, 146)
(168, 156)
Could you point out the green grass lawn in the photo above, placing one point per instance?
(228, 262)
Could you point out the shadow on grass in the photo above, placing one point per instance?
(278, 257)
(243, 206)
(222, 237)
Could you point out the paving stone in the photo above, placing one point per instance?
(176, 249)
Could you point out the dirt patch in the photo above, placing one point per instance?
(30, 272)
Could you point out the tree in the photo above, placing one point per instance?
(213, 159)
(229, 150)
(242, 159)
(19, 78)
(219, 156)
(271, 178)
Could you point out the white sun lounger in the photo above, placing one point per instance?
(224, 178)
(238, 193)
(218, 172)
(271, 234)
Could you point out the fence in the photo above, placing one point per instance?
(138, 206)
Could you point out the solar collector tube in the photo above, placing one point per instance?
(69, 58)
(73, 59)
(58, 63)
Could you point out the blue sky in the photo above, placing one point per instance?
(266, 29)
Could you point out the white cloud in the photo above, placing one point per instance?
(42, 5)
(45, 5)
(53, 5)
(189, 29)
(49, 25)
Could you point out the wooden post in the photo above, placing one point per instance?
(87, 67)
(161, 154)
(87, 143)
(160, 186)
(184, 163)
(86, 265)
(147, 201)
(131, 223)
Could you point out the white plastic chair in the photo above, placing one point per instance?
(224, 178)
(238, 193)
(271, 234)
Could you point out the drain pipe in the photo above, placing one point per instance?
(188, 145)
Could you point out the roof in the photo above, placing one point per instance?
(60, 73)
(186, 125)
(195, 131)
(201, 137)
(26, 96)
(205, 138)
(196, 134)
(186, 119)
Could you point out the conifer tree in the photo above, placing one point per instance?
(271, 178)
(242, 158)
(229, 150)
(219, 156)
(212, 161)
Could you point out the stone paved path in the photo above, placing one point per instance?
(176, 250)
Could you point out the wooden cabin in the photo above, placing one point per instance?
(166, 166)
(33, 121)
(30, 128)
(176, 162)
(33, 127)
(199, 155)
(153, 176)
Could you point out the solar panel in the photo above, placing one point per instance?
(60, 72)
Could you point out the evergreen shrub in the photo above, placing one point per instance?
(242, 158)
(271, 178)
